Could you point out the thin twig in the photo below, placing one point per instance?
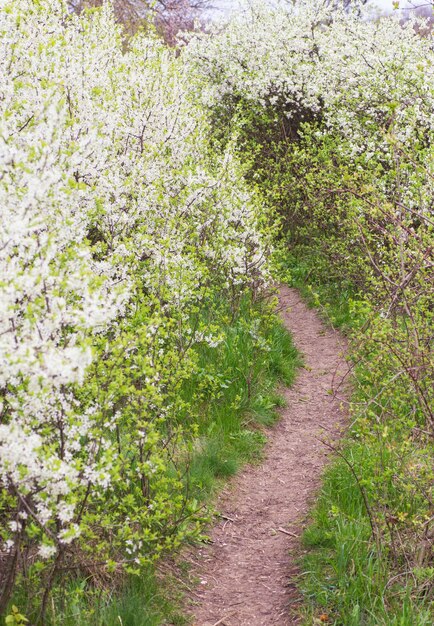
(223, 618)
(287, 532)
(326, 428)
(226, 517)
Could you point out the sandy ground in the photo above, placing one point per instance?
(247, 574)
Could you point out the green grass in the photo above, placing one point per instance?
(337, 302)
(349, 577)
(345, 577)
(140, 602)
(232, 427)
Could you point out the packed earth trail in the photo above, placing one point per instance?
(247, 574)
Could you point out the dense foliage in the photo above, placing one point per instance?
(334, 113)
(142, 191)
(127, 246)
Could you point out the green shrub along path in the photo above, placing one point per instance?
(333, 114)
(248, 574)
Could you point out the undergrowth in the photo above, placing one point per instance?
(354, 573)
(231, 398)
(230, 423)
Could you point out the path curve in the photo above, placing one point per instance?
(246, 574)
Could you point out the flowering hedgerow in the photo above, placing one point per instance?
(132, 232)
(334, 111)
(118, 227)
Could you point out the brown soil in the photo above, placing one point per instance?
(247, 575)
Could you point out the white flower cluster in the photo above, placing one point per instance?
(108, 191)
(333, 76)
(313, 60)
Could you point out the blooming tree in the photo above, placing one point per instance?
(118, 227)
(168, 16)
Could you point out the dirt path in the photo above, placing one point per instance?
(246, 572)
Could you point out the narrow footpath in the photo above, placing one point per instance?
(247, 574)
